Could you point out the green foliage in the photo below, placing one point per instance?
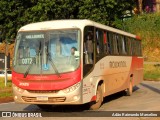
(15, 14)
(151, 72)
(147, 26)
(2, 84)
(11, 12)
(104, 11)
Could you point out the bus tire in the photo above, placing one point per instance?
(99, 98)
(129, 90)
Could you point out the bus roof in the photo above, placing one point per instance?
(70, 23)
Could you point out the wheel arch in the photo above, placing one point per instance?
(131, 75)
(102, 84)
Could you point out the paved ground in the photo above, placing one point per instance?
(146, 97)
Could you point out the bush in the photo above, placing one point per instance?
(146, 26)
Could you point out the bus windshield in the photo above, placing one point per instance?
(47, 52)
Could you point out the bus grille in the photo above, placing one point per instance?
(50, 99)
(43, 91)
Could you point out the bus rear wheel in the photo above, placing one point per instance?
(99, 98)
(129, 90)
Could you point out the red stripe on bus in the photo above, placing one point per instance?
(46, 82)
(93, 98)
(138, 37)
(136, 64)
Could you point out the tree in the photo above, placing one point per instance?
(105, 11)
(11, 17)
(16, 13)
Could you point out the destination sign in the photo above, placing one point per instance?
(34, 36)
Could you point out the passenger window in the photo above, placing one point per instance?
(129, 46)
(106, 46)
(99, 41)
(133, 47)
(139, 48)
(110, 43)
(120, 44)
(123, 46)
(115, 39)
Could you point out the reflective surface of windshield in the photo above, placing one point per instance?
(48, 52)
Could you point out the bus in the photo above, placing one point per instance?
(74, 62)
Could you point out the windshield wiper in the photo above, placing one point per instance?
(33, 61)
(29, 67)
(52, 63)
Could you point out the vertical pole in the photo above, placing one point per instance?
(140, 5)
(157, 5)
(6, 54)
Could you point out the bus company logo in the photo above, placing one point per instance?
(117, 64)
(23, 84)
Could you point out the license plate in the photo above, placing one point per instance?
(42, 98)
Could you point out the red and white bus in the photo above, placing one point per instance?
(74, 62)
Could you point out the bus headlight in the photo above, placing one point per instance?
(18, 89)
(72, 88)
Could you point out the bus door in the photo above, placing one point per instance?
(88, 50)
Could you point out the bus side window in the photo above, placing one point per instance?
(100, 41)
(106, 47)
(88, 45)
(110, 42)
(138, 45)
(133, 47)
(119, 43)
(115, 38)
(123, 46)
(129, 46)
(100, 44)
(139, 48)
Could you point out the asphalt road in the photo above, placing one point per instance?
(146, 97)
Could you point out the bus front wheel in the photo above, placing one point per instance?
(99, 98)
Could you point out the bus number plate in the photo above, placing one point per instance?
(26, 61)
(42, 98)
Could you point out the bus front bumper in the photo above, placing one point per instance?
(71, 95)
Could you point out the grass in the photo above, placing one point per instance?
(6, 94)
(152, 72)
(5, 91)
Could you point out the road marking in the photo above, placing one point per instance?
(6, 103)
